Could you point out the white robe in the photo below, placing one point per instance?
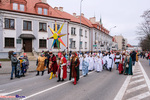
(95, 63)
(109, 62)
(81, 60)
(91, 63)
(112, 56)
(99, 66)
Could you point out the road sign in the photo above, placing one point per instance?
(94, 45)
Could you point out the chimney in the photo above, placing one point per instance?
(93, 19)
(56, 8)
(61, 9)
(82, 14)
(45, 1)
(74, 14)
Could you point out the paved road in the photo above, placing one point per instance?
(96, 86)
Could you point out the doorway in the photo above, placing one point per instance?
(27, 45)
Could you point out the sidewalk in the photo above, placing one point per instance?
(6, 67)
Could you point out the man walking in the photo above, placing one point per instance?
(133, 56)
(14, 62)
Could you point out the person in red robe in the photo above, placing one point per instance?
(52, 65)
(62, 69)
(120, 66)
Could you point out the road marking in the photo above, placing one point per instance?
(122, 90)
(136, 88)
(136, 81)
(141, 96)
(138, 76)
(137, 73)
(51, 88)
(4, 94)
(2, 90)
(145, 76)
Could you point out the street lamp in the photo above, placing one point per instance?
(112, 28)
(80, 26)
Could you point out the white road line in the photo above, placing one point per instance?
(122, 90)
(2, 90)
(137, 73)
(138, 76)
(136, 81)
(51, 88)
(145, 76)
(141, 96)
(136, 88)
(4, 94)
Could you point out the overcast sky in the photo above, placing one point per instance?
(125, 14)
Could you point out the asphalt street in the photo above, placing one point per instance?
(96, 86)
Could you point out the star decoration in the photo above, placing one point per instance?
(57, 35)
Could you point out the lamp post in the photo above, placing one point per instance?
(80, 26)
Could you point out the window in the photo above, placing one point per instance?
(80, 44)
(73, 31)
(9, 23)
(73, 44)
(45, 11)
(42, 43)
(86, 33)
(21, 7)
(80, 32)
(42, 27)
(39, 10)
(9, 42)
(15, 6)
(85, 45)
(27, 25)
(18, 41)
(58, 26)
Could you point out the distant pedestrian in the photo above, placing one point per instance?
(25, 57)
(128, 65)
(149, 58)
(133, 56)
(14, 62)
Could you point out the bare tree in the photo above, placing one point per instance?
(144, 31)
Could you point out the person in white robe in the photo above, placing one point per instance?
(99, 66)
(85, 65)
(80, 59)
(112, 55)
(109, 62)
(91, 62)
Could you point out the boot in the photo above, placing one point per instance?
(42, 73)
(62, 80)
(37, 73)
(51, 75)
(58, 77)
(54, 75)
(75, 81)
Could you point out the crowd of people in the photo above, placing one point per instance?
(75, 62)
(19, 66)
(146, 55)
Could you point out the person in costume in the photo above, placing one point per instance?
(74, 68)
(149, 58)
(113, 57)
(109, 62)
(99, 66)
(25, 57)
(52, 65)
(128, 65)
(91, 63)
(85, 66)
(117, 59)
(137, 57)
(41, 64)
(80, 59)
(62, 70)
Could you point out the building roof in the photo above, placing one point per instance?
(30, 8)
(129, 45)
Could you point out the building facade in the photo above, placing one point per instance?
(24, 28)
